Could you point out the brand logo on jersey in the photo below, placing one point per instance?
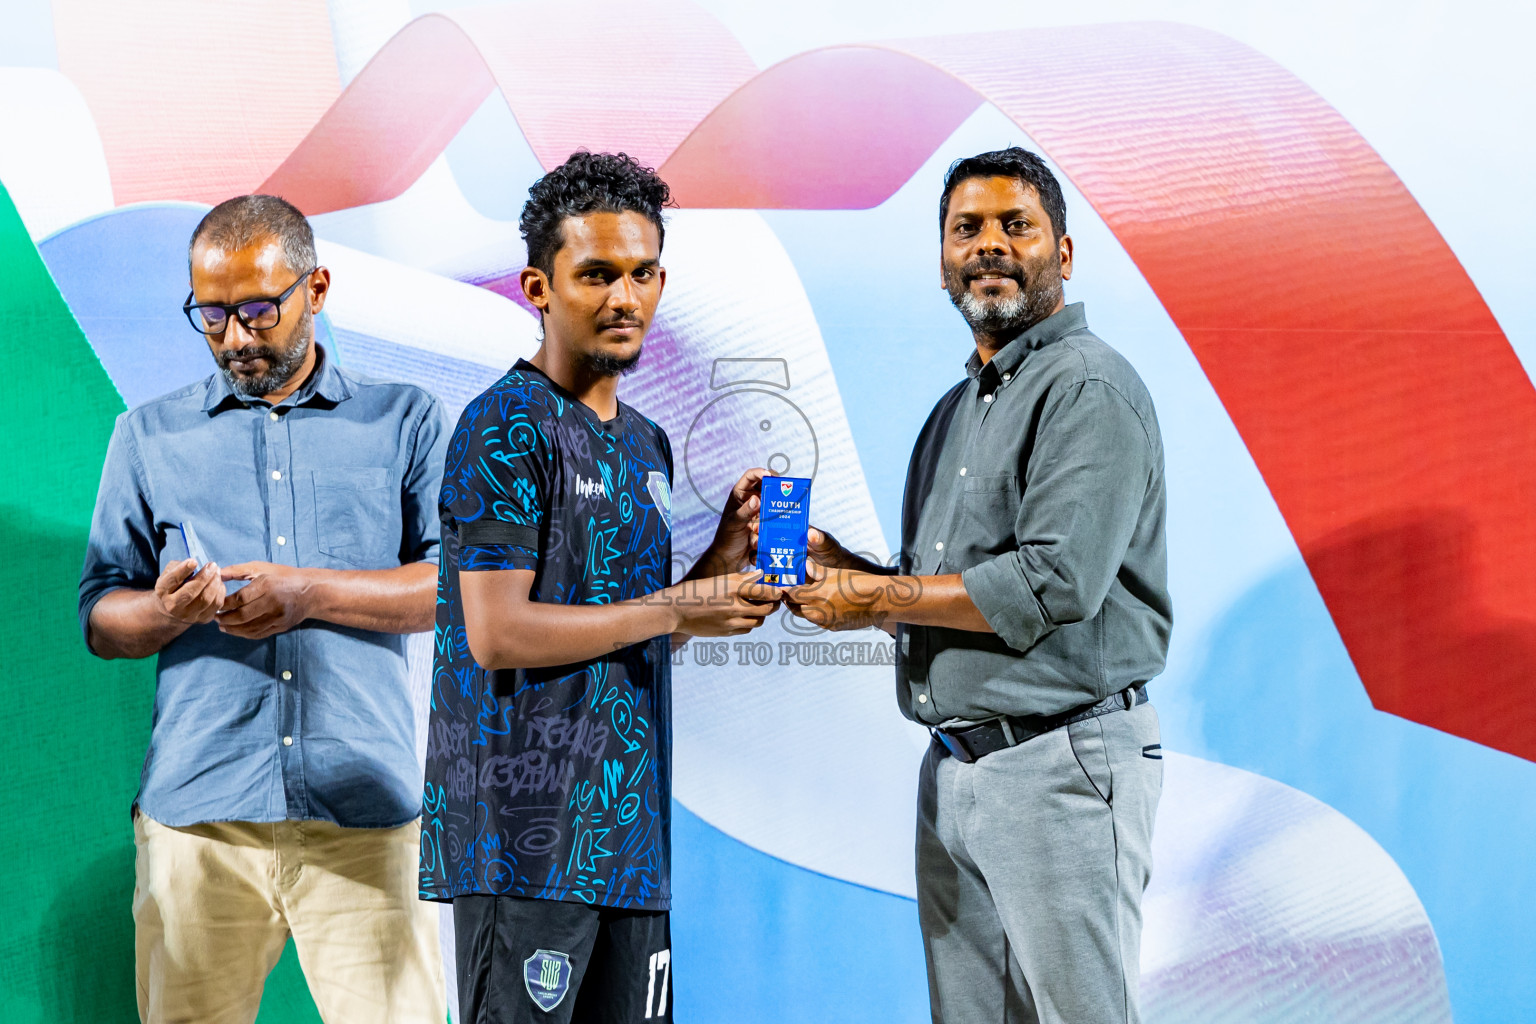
(589, 488)
(547, 977)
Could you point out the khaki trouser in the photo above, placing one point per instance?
(214, 904)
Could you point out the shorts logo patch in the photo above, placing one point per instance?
(547, 977)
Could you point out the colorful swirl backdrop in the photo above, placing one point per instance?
(1308, 228)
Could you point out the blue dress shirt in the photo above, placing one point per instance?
(317, 722)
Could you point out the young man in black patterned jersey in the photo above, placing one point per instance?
(548, 790)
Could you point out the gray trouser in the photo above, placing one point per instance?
(1031, 863)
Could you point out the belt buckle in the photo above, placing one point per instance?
(955, 748)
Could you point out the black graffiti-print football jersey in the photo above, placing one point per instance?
(552, 783)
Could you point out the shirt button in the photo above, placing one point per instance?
(272, 416)
(962, 471)
(986, 398)
(287, 741)
(1007, 376)
(277, 474)
(281, 541)
(922, 698)
(939, 546)
(287, 674)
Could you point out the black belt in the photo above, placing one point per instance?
(969, 742)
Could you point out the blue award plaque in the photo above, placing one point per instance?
(189, 544)
(783, 521)
(183, 542)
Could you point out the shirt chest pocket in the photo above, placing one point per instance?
(357, 516)
(988, 507)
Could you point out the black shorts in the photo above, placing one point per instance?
(523, 961)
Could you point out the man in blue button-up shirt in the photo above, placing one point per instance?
(281, 792)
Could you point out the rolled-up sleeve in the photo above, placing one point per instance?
(421, 536)
(1083, 492)
(121, 551)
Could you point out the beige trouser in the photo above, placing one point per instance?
(214, 904)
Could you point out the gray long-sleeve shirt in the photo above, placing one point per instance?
(1039, 479)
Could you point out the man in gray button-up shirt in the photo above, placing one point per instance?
(281, 792)
(1030, 606)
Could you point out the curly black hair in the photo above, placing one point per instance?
(588, 183)
(1012, 162)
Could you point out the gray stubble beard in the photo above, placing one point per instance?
(1035, 300)
(283, 367)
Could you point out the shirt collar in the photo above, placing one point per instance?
(1053, 328)
(325, 383)
(524, 366)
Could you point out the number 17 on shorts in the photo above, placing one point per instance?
(656, 988)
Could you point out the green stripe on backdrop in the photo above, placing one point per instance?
(76, 726)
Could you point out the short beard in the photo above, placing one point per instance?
(604, 365)
(1037, 298)
(282, 365)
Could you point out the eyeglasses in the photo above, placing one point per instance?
(257, 314)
